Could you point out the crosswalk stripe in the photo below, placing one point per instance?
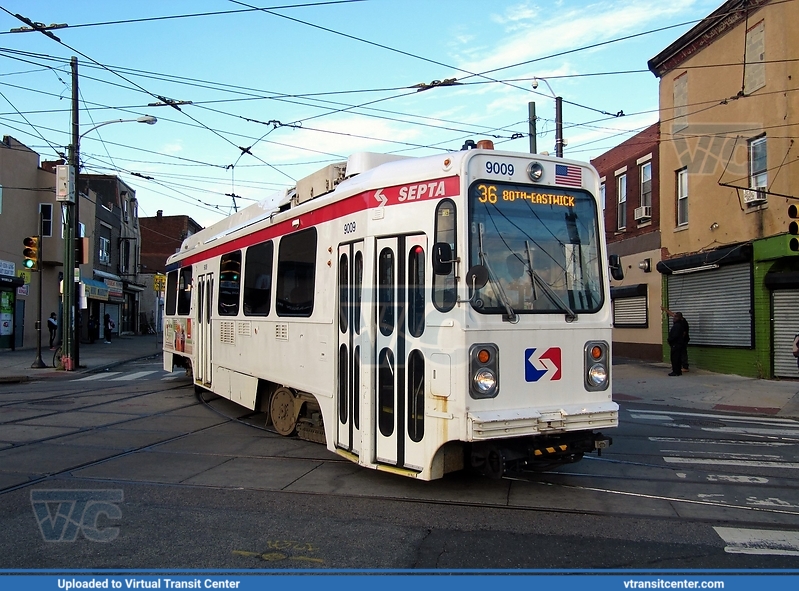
(759, 541)
(97, 376)
(133, 376)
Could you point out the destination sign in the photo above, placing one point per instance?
(491, 194)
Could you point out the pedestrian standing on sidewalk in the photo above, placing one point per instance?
(92, 328)
(108, 326)
(676, 338)
(52, 326)
(687, 337)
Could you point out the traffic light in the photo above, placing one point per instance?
(793, 228)
(31, 253)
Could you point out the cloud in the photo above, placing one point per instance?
(532, 33)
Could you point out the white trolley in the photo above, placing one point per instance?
(416, 315)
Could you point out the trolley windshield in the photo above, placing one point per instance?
(540, 246)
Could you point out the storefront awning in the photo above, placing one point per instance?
(104, 275)
(11, 281)
(730, 255)
(96, 290)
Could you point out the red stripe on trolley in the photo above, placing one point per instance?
(385, 197)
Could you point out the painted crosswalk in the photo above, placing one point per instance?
(118, 376)
(759, 541)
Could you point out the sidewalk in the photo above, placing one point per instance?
(15, 366)
(633, 380)
(649, 383)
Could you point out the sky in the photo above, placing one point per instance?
(251, 96)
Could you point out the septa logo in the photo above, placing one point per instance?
(538, 365)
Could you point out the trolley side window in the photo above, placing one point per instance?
(444, 294)
(416, 260)
(229, 283)
(184, 292)
(416, 395)
(258, 279)
(171, 292)
(296, 269)
(385, 292)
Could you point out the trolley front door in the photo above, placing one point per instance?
(205, 297)
(351, 340)
(399, 362)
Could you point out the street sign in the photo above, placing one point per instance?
(159, 282)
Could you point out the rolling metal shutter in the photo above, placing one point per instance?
(785, 304)
(630, 312)
(717, 305)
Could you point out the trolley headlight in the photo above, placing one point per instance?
(485, 381)
(596, 359)
(597, 375)
(484, 370)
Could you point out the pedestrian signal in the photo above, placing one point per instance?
(793, 227)
(31, 253)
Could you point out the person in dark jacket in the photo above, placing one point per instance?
(108, 326)
(684, 360)
(677, 340)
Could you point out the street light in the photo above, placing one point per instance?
(558, 117)
(71, 342)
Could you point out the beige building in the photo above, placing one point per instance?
(729, 169)
(26, 190)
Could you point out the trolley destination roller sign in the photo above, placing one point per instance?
(414, 315)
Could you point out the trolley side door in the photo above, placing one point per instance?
(205, 291)
(415, 350)
(351, 338)
(387, 312)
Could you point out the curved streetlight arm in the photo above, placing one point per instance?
(148, 119)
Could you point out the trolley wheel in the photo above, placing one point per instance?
(281, 409)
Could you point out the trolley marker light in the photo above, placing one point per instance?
(484, 369)
(596, 366)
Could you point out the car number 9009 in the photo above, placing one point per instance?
(349, 227)
(502, 168)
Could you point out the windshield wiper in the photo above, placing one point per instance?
(551, 295)
(511, 313)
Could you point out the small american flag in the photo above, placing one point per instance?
(571, 176)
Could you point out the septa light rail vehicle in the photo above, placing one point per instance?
(416, 315)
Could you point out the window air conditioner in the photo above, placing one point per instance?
(643, 213)
(754, 195)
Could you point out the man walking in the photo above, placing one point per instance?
(52, 326)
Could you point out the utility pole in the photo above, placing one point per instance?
(70, 209)
(38, 363)
(559, 127)
(531, 121)
(76, 233)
